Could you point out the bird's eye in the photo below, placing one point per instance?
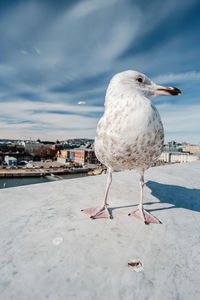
(140, 79)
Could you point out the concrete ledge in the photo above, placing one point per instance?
(50, 250)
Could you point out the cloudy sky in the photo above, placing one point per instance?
(56, 54)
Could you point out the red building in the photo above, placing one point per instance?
(57, 147)
(83, 155)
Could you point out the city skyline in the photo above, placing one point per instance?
(56, 61)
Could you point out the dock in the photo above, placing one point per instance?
(6, 173)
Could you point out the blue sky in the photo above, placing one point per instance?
(54, 54)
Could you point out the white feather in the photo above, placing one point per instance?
(130, 133)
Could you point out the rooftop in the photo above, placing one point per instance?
(82, 149)
(50, 250)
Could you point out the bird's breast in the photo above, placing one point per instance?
(129, 137)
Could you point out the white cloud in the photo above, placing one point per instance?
(24, 52)
(180, 121)
(68, 45)
(40, 119)
(83, 41)
(179, 77)
(85, 8)
(37, 50)
(7, 70)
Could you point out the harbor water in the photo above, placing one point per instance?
(19, 181)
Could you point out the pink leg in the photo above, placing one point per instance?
(102, 212)
(140, 213)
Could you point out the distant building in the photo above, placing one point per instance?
(181, 147)
(173, 157)
(10, 161)
(172, 144)
(31, 146)
(47, 143)
(29, 166)
(4, 147)
(191, 149)
(172, 147)
(12, 148)
(64, 161)
(63, 154)
(57, 147)
(83, 155)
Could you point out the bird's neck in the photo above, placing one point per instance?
(121, 99)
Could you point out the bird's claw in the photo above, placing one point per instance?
(144, 216)
(96, 213)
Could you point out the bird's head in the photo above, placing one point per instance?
(138, 83)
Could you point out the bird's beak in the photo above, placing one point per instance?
(166, 91)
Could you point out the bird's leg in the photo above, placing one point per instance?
(102, 212)
(140, 213)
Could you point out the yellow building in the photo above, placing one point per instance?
(63, 153)
(191, 149)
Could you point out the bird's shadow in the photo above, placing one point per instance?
(110, 209)
(176, 196)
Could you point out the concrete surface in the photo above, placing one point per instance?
(50, 250)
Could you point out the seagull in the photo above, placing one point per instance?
(130, 134)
